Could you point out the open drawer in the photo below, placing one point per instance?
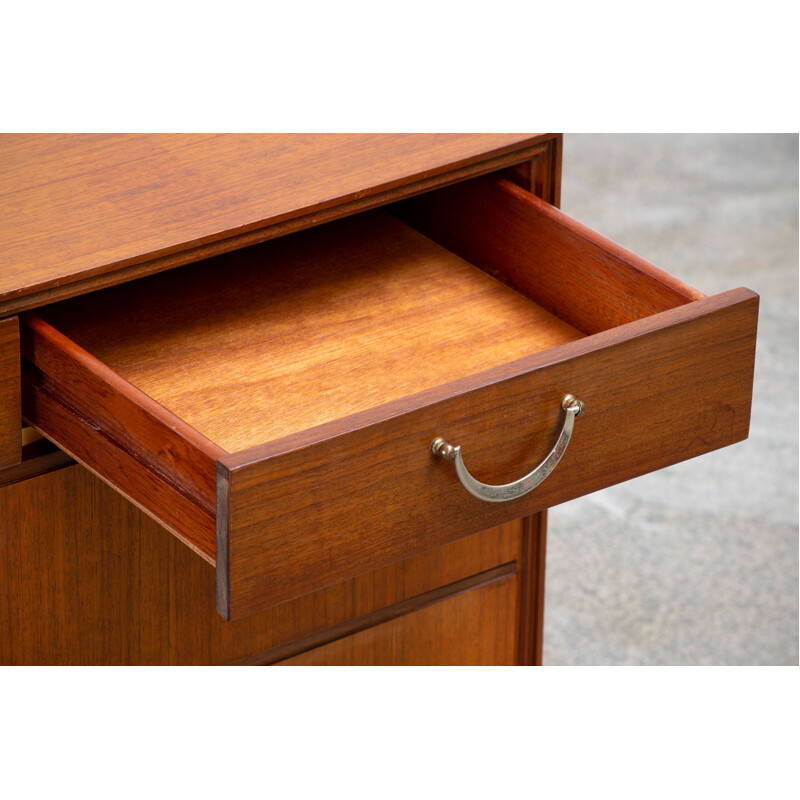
(275, 407)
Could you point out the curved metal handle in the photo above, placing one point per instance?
(511, 491)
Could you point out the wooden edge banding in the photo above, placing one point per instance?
(10, 394)
(599, 341)
(380, 616)
(129, 269)
(563, 220)
(223, 573)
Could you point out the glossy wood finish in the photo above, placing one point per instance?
(573, 271)
(89, 579)
(658, 391)
(473, 627)
(83, 211)
(10, 427)
(302, 331)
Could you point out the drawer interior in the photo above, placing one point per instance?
(261, 343)
(265, 342)
(273, 407)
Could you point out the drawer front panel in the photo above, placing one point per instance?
(10, 424)
(339, 500)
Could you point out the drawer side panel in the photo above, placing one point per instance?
(155, 460)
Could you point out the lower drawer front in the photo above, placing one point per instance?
(474, 628)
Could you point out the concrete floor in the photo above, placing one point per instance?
(698, 563)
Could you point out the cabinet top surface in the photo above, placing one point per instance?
(88, 207)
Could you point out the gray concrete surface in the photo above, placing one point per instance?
(698, 563)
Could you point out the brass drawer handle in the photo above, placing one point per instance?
(511, 491)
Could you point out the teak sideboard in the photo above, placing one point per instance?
(306, 399)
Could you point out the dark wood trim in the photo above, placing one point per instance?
(557, 150)
(381, 615)
(541, 176)
(531, 603)
(526, 243)
(130, 269)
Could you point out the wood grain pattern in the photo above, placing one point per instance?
(658, 391)
(471, 628)
(78, 212)
(89, 579)
(574, 272)
(10, 419)
(298, 332)
(121, 434)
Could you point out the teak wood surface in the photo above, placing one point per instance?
(89, 579)
(83, 211)
(10, 403)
